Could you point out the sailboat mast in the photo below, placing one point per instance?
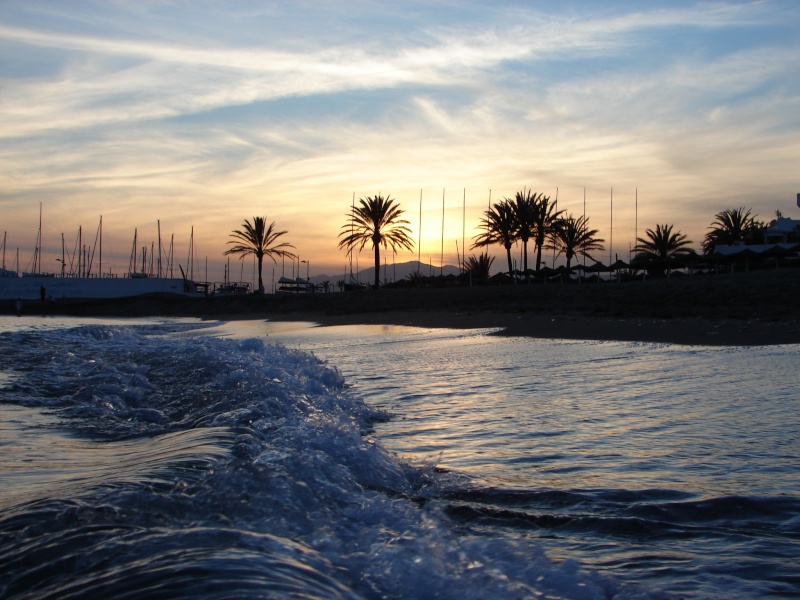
(189, 258)
(191, 254)
(100, 263)
(38, 249)
(134, 249)
(90, 256)
(159, 247)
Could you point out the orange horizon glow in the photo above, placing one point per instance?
(278, 112)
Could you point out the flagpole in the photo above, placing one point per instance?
(352, 225)
(611, 232)
(554, 246)
(464, 230)
(441, 256)
(419, 246)
(584, 224)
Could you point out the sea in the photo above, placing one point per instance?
(179, 458)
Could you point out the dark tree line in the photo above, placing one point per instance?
(528, 218)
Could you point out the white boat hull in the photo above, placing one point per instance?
(57, 288)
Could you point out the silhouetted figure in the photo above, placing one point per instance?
(42, 293)
(19, 307)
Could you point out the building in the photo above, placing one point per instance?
(782, 230)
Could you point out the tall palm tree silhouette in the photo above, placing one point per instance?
(376, 219)
(572, 237)
(731, 226)
(479, 266)
(526, 211)
(259, 239)
(500, 227)
(660, 247)
(662, 243)
(546, 216)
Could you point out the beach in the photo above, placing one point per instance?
(755, 308)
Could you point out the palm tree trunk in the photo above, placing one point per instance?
(377, 266)
(539, 243)
(510, 267)
(260, 281)
(525, 260)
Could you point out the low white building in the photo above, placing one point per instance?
(782, 231)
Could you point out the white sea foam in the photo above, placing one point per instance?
(193, 455)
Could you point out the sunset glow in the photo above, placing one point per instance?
(201, 115)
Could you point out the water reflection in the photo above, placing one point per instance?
(39, 459)
(565, 414)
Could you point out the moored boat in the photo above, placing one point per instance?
(51, 287)
(79, 282)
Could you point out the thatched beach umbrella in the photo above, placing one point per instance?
(597, 267)
(619, 264)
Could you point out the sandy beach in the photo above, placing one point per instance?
(746, 309)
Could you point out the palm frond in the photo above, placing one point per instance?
(377, 220)
(661, 243)
(572, 237)
(259, 239)
(731, 226)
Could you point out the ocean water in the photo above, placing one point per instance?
(175, 459)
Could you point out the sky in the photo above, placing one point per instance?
(194, 116)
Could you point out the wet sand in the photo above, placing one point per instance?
(744, 309)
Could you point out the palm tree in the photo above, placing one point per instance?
(572, 237)
(259, 239)
(416, 277)
(500, 225)
(376, 219)
(662, 244)
(546, 217)
(524, 206)
(730, 226)
(660, 247)
(479, 266)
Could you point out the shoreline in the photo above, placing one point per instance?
(741, 309)
(696, 331)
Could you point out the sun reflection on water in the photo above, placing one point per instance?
(569, 413)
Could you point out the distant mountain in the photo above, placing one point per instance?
(390, 273)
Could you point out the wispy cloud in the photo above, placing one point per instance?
(230, 106)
